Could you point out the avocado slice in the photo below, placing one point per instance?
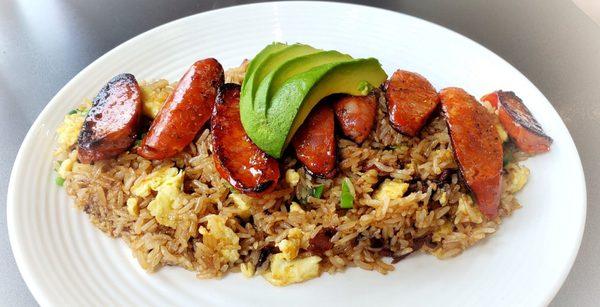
(294, 99)
(257, 61)
(292, 67)
(271, 61)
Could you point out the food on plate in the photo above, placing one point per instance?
(111, 124)
(411, 101)
(271, 123)
(356, 115)
(477, 147)
(240, 162)
(275, 79)
(394, 177)
(315, 142)
(518, 122)
(185, 112)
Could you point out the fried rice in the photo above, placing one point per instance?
(212, 230)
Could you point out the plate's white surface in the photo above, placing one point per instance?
(65, 260)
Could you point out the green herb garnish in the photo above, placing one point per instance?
(73, 111)
(59, 181)
(317, 191)
(347, 197)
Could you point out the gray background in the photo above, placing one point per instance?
(43, 44)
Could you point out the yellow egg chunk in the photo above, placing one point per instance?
(242, 202)
(284, 272)
(68, 131)
(502, 133)
(168, 200)
(295, 207)
(217, 236)
(391, 190)
(291, 246)
(292, 177)
(132, 206)
(154, 95)
(143, 186)
(516, 177)
(66, 167)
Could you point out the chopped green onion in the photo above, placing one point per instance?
(317, 191)
(59, 181)
(73, 111)
(505, 161)
(347, 197)
(137, 143)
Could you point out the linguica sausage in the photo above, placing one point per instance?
(411, 99)
(519, 123)
(356, 115)
(239, 161)
(111, 125)
(184, 113)
(477, 147)
(315, 142)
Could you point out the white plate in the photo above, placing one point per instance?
(65, 260)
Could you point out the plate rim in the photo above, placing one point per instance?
(34, 285)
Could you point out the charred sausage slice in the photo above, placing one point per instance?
(111, 125)
(411, 99)
(356, 115)
(239, 161)
(185, 112)
(315, 142)
(519, 123)
(477, 147)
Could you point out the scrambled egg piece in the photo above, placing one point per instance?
(167, 201)
(68, 131)
(295, 207)
(467, 211)
(243, 203)
(291, 246)
(168, 182)
(154, 95)
(292, 177)
(502, 133)
(217, 236)
(517, 177)
(284, 272)
(391, 190)
(65, 167)
(132, 206)
(151, 182)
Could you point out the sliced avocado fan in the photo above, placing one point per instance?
(283, 87)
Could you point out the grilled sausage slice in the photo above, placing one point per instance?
(411, 99)
(239, 161)
(315, 142)
(477, 147)
(111, 125)
(356, 115)
(519, 123)
(185, 112)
